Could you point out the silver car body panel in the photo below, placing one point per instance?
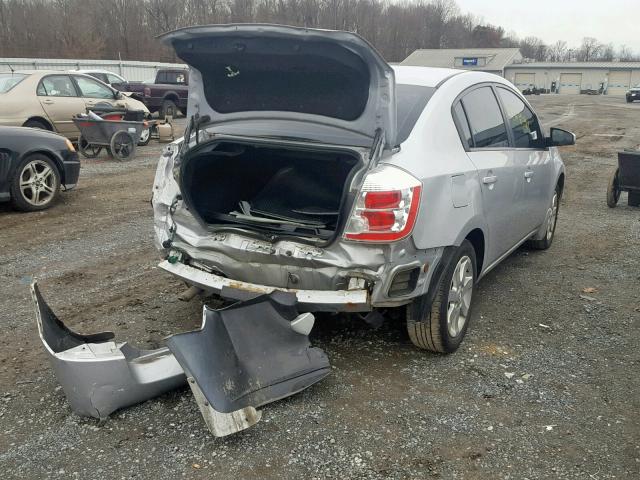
(98, 374)
(453, 204)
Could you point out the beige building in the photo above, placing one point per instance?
(568, 78)
(572, 78)
(492, 60)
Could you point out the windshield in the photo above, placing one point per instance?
(10, 80)
(410, 101)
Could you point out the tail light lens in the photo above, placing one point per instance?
(386, 208)
(146, 92)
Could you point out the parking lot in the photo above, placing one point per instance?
(545, 385)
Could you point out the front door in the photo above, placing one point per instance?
(60, 101)
(489, 150)
(532, 158)
(94, 92)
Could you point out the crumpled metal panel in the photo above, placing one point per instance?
(97, 374)
(250, 354)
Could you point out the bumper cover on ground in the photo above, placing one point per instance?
(244, 356)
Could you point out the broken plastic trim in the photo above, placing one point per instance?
(97, 374)
(247, 355)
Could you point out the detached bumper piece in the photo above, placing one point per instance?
(98, 375)
(243, 357)
(247, 355)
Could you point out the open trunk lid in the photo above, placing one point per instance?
(258, 75)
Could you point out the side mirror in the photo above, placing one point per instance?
(560, 138)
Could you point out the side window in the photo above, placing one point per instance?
(92, 89)
(176, 78)
(56, 86)
(161, 77)
(485, 119)
(523, 123)
(113, 79)
(463, 125)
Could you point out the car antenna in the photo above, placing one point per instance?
(11, 68)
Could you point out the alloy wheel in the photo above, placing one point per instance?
(38, 183)
(460, 293)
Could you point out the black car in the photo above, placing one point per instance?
(633, 94)
(34, 164)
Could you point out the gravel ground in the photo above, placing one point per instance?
(545, 386)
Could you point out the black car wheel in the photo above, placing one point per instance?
(168, 108)
(36, 184)
(37, 124)
(442, 325)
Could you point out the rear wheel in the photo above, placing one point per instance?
(442, 325)
(168, 108)
(36, 184)
(123, 145)
(37, 124)
(613, 190)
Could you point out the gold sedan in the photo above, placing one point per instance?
(49, 99)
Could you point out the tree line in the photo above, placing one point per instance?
(126, 29)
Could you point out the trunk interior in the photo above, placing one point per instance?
(300, 191)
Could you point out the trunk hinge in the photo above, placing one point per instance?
(376, 148)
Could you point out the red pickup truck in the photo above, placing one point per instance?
(167, 95)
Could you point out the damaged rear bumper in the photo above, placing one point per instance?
(308, 300)
(97, 374)
(245, 356)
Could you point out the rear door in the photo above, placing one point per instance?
(530, 156)
(488, 147)
(60, 100)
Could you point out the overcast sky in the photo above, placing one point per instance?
(610, 21)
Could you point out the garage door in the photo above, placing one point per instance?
(570, 83)
(525, 80)
(619, 82)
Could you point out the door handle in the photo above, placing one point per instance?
(489, 180)
(528, 174)
(47, 102)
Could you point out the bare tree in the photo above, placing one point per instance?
(589, 50)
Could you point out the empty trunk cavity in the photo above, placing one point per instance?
(280, 189)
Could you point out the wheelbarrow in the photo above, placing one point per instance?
(625, 178)
(120, 137)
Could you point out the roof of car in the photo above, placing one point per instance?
(94, 70)
(424, 76)
(47, 72)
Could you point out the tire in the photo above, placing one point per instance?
(552, 221)
(429, 325)
(122, 145)
(36, 184)
(87, 149)
(613, 190)
(145, 137)
(168, 108)
(37, 124)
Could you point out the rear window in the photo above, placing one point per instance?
(10, 80)
(410, 102)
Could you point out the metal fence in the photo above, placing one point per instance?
(131, 70)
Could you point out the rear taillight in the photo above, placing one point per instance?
(386, 207)
(146, 92)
